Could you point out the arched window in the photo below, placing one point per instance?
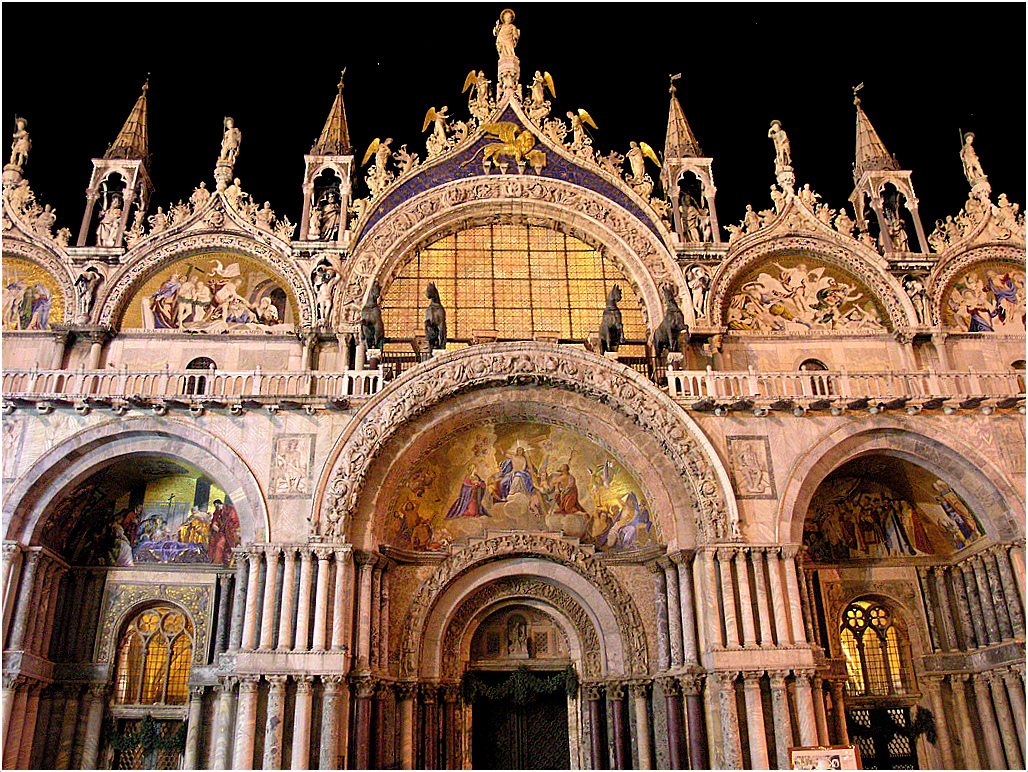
(153, 658)
(875, 650)
(820, 385)
(197, 384)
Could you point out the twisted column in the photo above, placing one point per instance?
(331, 746)
(301, 752)
(755, 720)
(285, 625)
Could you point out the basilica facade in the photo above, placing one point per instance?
(512, 453)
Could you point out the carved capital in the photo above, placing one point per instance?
(333, 683)
(934, 681)
(777, 678)
(726, 678)
(451, 693)
(304, 684)
(249, 683)
(324, 553)
(752, 677)
(691, 683)
(99, 692)
(639, 689)
(961, 678)
(592, 691)
(429, 693)
(196, 692)
(365, 559)
(406, 690)
(364, 687)
(616, 690)
(254, 556)
(278, 682)
(306, 554)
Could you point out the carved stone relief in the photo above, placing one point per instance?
(750, 459)
(292, 457)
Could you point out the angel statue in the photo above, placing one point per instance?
(506, 34)
(540, 83)
(478, 103)
(640, 181)
(379, 176)
(437, 142)
(581, 142)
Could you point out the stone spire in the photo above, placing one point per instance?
(132, 142)
(871, 153)
(680, 142)
(335, 137)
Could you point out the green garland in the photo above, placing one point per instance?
(146, 736)
(522, 687)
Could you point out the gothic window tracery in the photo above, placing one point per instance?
(153, 658)
(875, 650)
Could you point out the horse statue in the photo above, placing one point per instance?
(665, 337)
(612, 332)
(435, 320)
(372, 329)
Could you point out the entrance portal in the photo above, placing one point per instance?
(526, 730)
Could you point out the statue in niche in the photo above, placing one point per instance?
(22, 143)
(698, 281)
(517, 637)
(85, 287)
(324, 279)
(918, 295)
(969, 158)
(506, 34)
(107, 230)
(435, 320)
(230, 142)
(897, 231)
(612, 331)
(666, 336)
(372, 329)
(783, 152)
(328, 216)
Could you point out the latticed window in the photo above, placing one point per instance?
(515, 279)
(153, 658)
(872, 645)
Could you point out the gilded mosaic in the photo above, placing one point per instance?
(32, 299)
(988, 297)
(519, 476)
(213, 292)
(790, 295)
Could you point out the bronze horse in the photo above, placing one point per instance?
(612, 332)
(372, 329)
(665, 337)
(435, 319)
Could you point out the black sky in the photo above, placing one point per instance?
(930, 70)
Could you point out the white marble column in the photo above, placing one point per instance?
(805, 721)
(193, 727)
(11, 552)
(405, 722)
(1010, 592)
(21, 619)
(321, 598)
(746, 607)
(783, 721)
(300, 757)
(712, 600)
(285, 625)
(942, 719)
(1005, 719)
(968, 745)
(94, 719)
(793, 588)
(986, 719)
(820, 714)
(341, 614)
(755, 720)
(366, 562)
(330, 740)
(780, 613)
(763, 606)
(674, 609)
(687, 602)
(660, 603)
(724, 560)
(731, 741)
(273, 725)
(253, 585)
(246, 722)
(223, 722)
(376, 616)
(303, 602)
(272, 554)
(639, 691)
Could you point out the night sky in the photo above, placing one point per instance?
(930, 70)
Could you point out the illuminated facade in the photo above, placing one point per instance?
(630, 489)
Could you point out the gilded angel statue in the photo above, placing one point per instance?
(637, 156)
(379, 149)
(540, 83)
(578, 122)
(438, 117)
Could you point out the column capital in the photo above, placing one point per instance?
(993, 676)
(592, 691)
(804, 673)
(406, 690)
(364, 687)
(365, 559)
(323, 553)
(1013, 673)
(10, 548)
(777, 678)
(278, 682)
(664, 562)
(99, 691)
(725, 678)
(682, 556)
(691, 683)
(451, 693)
(961, 677)
(254, 556)
(670, 685)
(306, 553)
(752, 676)
(616, 690)
(429, 692)
(249, 683)
(934, 681)
(333, 683)
(304, 683)
(639, 688)
(196, 692)
(273, 551)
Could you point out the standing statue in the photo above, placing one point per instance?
(110, 220)
(230, 142)
(698, 281)
(372, 329)
(324, 279)
(665, 337)
(435, 320)
(783, 153)
(918, 295)
(972, 167)
(506, 34)
(612, 331)
(22, 144)
(328, 216)
(200, 197)
(85, 286)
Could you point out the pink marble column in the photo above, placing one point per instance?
(321, 599)
(341, 611)
(301, 752)
(699, 752)
(779, 613)
(793, 588)
(755, 719)
(746, 606)
(724, 560)
(366, 562)
(405, 722)
(303, 601)
(285, 625)
(593, 695)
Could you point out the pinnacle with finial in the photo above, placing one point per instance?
(335, 136)
(871, 154)
(133, 139)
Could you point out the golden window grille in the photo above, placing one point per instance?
(154, 656)
(871, 647)
(515, 279)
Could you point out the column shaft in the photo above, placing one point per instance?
(597, 730)
(253, 587)
(805, 710)
(69, 723)
(783, 721)
(364, 612)
(405, 719)
(321, 600)
(272, 555)
(193, 728)
(742, 577)
(762, 605)
(987, 721)
(1015, 691)
(1010, 592)
(621, 741)
(301, 753)
(986, 599)
(273, 725)
(660, 596)
(820, 715)
(221, 634)
(238, 601)
(929, 607)
(1005, 719)
(977, 618)
(690, 647)
(376, 615)
(246, 723)
(642, 724)
(949, 638)
(970, 640)
(699, 752)
(91, 746)
(941, 720)
(755, 721)
(285, 625)
(795, 609)
(730, 739)
(968, 745)
(711, 601)
(842, 735)
(223, 723)
(329, 751)
(674, 616)
(779, 614)
(303, 602)
(341, 615)
(26, 589)
(996, 596)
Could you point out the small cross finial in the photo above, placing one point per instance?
(673, 79)
(856, 99)
(341, 78)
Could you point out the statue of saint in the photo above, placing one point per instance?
(230, 142)
(972, 167)
(107, 230)
(783, 153)
(506, 34)
(22, 144)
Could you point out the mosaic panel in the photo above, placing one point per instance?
(32, 299)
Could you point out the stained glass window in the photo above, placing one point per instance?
(871, 647)
(153, 658)
(518, 280)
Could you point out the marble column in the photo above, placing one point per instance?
(29, 726)
(820, 714)
(687, 602)
(69, 723)
(253, 586)
(224, 605)
(998, 598)
(724, 560)
(21, 619)
(1010, 592)
(674, 611)
(301, 752)
(366, 562)
(430, 724)
(746, 607)
(1004, 717)
(1015, 691)
(321, 599)
(730, 738)
(842, 735)
(986, 599)
(238, 600)
(10, 553)
(405, 721)
(273, 725)
(934, 635)
(970, 640)
(1017, 563)
(934, 683)
(593, 695)
(451, 740)
(303, 601)
(285, 624)
(640, 693)
(380, 758)
(762, 605)
(94, 720)
(272, 555)
(968, 745)
(14, 718)
(330, 746)
(675, 731)
(755, 720)
(223, 722)
(343, 590)
(986, 719)
(246, 722)
(383, 621)
(660, 596)
(793, 588)
(692, 692)
(977, 618)
(365, 690)
(949, 636)
(193, 727)
(783, 721)
(805, 721)
(621, 742)
(779, 612)
(711, 600)
(375, 614)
